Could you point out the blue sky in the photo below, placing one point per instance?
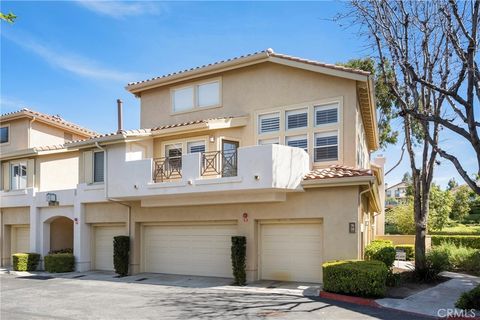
(74, 58)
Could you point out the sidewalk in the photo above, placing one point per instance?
(430, 301)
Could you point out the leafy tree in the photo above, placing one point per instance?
(440, 207)
(452, 184)
(8, 17)
(462, 201)
(401, 217)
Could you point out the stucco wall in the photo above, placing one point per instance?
(105, 213)
(18, 135)
(43, 134)
(16, 215)
(57, 171)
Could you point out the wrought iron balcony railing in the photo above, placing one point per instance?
(167, 168)
(224, 163)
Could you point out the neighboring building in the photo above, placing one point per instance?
(267, 146)
(396, 194)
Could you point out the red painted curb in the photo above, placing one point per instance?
(349, 299)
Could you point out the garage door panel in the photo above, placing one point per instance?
(193, 250)
(103, 259)
(291, 252)
(20, 242)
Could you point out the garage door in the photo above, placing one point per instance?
(104, 246)
(188, 249)
(291, 252)
(20, 239)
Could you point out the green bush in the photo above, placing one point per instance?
(437, 260)
(239, 255)
(121, 254)
(381, 250)
(469, 299)
(409, 250)
(60, 262)
(355, 277)
(25, 261)
(472, 218)
(460, 257)
(67, 250)
(467, 241)
(458, 230)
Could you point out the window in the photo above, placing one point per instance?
(196, 96)
(397, 193)
(297, 141)
(327, 114)
(196, 146)
(296, 119)
(262, 142)
(269, 122)
(98, 166)
(326, 147)
(389, 193)
(18, 176)
(4, 134)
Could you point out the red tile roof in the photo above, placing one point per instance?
(337, 171)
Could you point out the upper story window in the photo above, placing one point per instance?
(18, 176)
(326, 114)
(296, 119)
(4, 134)
(98, 166)
(196, 146)
(206, 94)
(269, 122)
(268, 141)
(297, 141)
(326, 146)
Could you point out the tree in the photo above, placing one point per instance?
(462, 200)
(407, 178)
(8, 17)
(452, 184)
(401, 217)
(440, 207)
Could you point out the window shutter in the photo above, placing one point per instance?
(6, 176)
(326, 116)
(269, 123)
(88, 166)
(30, 173)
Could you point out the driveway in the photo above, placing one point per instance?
(90, 297)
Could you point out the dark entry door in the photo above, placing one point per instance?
(229, 158)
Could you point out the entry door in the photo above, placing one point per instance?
(229, 158)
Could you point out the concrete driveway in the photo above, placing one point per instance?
(100, 296)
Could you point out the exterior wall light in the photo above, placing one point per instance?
(212, 139)
(52, 199)
(257, 177)
(351, 227)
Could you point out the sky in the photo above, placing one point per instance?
(74, 58)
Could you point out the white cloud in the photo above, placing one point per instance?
(72, 63)
(120, 9)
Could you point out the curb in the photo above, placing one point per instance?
(349, 299)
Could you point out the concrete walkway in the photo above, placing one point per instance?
(434, 301)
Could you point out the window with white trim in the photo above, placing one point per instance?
(195, 146)
(18, 176)
(183, 99)
(326, 146)
(262, 142)
(206, 94)
(296, 119)
(98, 166)
(297, 141)
(269, 122)
(326, 114)
(173, 150)
(4, 134)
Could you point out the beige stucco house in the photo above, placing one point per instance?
(268, 146)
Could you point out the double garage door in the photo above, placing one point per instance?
(287, 251)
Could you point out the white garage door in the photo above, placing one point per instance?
(104, 246)
(291, 252)
(20, 239)
(189, 249)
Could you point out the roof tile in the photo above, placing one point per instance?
(337, 171)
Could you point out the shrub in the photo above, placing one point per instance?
(381, 250)
(60, 262)
(409, 250)
(239, 255)
(355, 277)
(469, 299)
(121, 254)
(460, 257)
(437, 260)
(25, 261)
(467, 241)
(67, 250)
(473, 218)
(458, 229)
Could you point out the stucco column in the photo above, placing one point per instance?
(81, 239)
(135, 241)
(246, 228)
(35, 224)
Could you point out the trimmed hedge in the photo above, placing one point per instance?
(469, 299)
(467, 241)
(409, 250)
(121, 254)
(355, 277)
(60, 262)
(239, 255)
(25, 261)
(381, 250)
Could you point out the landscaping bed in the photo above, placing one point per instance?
(409, 284)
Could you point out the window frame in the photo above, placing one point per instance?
(294, 111)
(11, 176)
(259, 126)
(8, 134)
(295, 136)
(195, 97)
(268, 139)
(184, 142)
(326, 106)
(326, 134)
(93, 167)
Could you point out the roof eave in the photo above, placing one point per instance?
(332, 182)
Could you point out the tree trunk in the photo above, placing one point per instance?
(421, 214)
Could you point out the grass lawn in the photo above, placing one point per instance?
(459, 229)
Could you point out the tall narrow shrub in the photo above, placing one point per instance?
(239, 256)
(121, 254)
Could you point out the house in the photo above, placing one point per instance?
(267, 146)
(396, 194)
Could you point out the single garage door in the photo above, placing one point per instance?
(189, 249)
(291, 252)
(20, 239)
(103, 259)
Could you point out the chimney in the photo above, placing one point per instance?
(120, 116)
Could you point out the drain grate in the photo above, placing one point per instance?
(80, 276)
(35, 277)
(141, 279)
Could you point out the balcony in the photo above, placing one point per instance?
(258, 170)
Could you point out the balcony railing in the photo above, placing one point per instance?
(167, 168)
(224, 163)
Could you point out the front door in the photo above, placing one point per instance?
(229, 158)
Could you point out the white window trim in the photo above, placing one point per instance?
(269, 132)
(297, 111)
(9, 134)
(301, 137)
(10, 174)
(326, 134)
(195, 85)
(104, 167)
(326, 106)
(184, 143)
(269, 139)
